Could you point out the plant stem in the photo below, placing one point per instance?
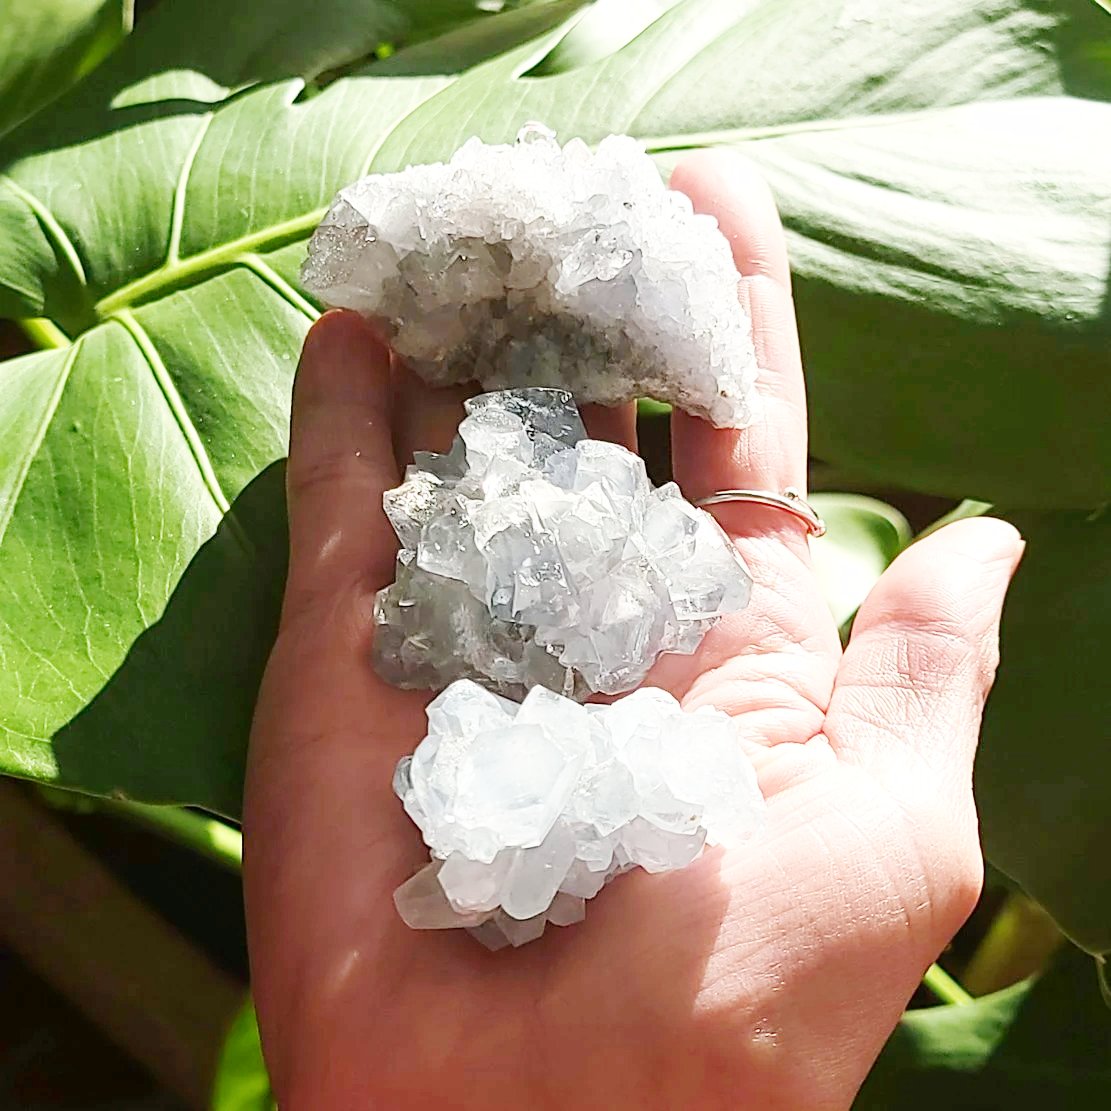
(945, 987)
(1021, 940)
(208, 836)
(43, 333)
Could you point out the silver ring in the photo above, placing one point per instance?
(790, 500)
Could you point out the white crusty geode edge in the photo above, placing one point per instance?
(735, 403)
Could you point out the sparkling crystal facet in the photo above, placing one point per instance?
(541, 558)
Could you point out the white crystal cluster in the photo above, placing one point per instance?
(534, 265)
(529, 808)
(531, 555)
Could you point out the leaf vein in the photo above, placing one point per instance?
(51, 226)
(276, 282)
(7, 507)
(206, 264)
(177, 216)
(126, 319)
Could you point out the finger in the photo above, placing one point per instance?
(618, 424)
(770, 454)
(912, 684)
(340, 462)
(425, 418)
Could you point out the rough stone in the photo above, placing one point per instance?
(532, 264)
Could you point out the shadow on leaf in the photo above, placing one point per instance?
(173, 720)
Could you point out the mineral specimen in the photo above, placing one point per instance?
(529, 809)
(531, 555)
(532, 265)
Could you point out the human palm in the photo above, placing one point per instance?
(763, 977)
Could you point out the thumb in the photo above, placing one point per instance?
(910, 691)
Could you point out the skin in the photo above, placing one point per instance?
(767, 977)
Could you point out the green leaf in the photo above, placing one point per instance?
(862, 537)
(1043, 773)
(1042, 1043)
(46, 45)
(605, 27)
(477, 41)
(241, 1080)
(950, 230)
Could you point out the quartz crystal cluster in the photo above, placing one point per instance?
(529, 264)
(535, 562)
(531, 555)
(530, 808)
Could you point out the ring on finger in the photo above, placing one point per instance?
(790, 500)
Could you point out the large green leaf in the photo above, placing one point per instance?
(46, 45)
(158, 213)
(604, 28)
(1042, 1043)
(1043, 775)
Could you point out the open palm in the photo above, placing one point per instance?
(766, 977)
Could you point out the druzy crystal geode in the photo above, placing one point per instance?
(530, 808)
(531, 264)
(533, 556)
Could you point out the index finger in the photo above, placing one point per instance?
(340, 462)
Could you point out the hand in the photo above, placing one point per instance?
(764, 978)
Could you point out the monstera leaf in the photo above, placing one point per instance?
(945, 185)
(141, 531)
(943, 174)
(47, 45)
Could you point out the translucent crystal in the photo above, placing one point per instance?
(531, 809)
(531, 265)
(520, 931)
(422, 904)
(532, 556)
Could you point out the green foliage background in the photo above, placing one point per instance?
(944, 173)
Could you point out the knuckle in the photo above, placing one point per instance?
(961, 885)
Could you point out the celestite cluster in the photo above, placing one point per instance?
(531, 264)
(530, 808)
(531, 555)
